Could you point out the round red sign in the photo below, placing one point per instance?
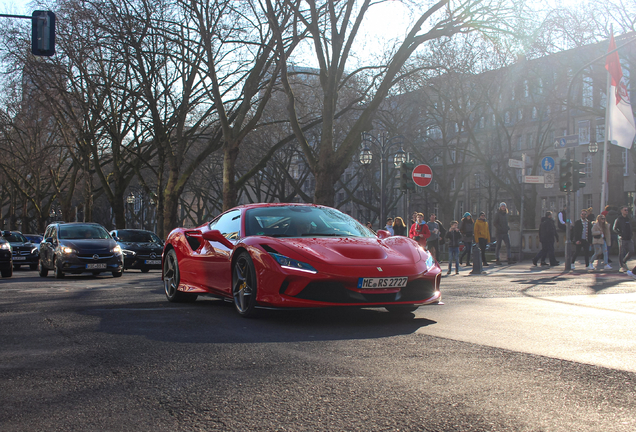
(422, 175)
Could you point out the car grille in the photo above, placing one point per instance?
(95, 257)
(24, 252)
(336, 292)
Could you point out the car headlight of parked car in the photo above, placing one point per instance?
(5, 246)
(292, 264)
(67, 250)
(116, 250)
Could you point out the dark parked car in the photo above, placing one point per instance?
(79, 247)
(6, 260)
(142, 249)
(36, 239)
(24, 252)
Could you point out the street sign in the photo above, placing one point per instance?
(549, 177)
(548, 185)
(533, 179)
(567, 141)
(514, 163)
(422, 175)
(547, 163)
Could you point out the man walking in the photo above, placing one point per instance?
(582, 233)
(623, 228)
(500, 222)
(433, 240)
(547, 235)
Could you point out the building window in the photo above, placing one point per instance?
(600, 130)
(587, 92)
(588, 166)
(494, 120)
(535, 113)
(544, 205)
(519, 143)
(529, 140)
(482, 122)
(461, 208)
(453, 155)
(452, 186)
(437, 160)
(507, 117)
(435, 186)
(519, 114)
(526, 88)
(587, 199)
(584, 132)
(540, 86)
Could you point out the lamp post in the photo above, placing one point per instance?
(384, 145)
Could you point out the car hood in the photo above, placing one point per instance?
(354, 250)
(22, 245)
(141, 246)
(90, 245)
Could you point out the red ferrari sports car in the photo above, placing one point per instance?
(297, 256)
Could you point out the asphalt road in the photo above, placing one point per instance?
(516, 350)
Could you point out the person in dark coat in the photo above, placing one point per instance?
(467, 228)
(623, 227)
(454, 238)
(399, 229)
(547, 236)
(500, 222)
(582, 235)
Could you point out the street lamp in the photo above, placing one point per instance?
(592, 147)
(383, 144)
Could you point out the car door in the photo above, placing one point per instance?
(211, 262)
(47, 247)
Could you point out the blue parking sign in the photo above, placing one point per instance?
(547, 163)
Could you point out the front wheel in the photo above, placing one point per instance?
(171, 278)
(244, 285)
(118, 273)
(8, 272)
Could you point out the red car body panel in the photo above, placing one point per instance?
(339, 263)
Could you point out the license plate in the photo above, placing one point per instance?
(19, 258)
(152, 262)
(395, 282)
(96, 266)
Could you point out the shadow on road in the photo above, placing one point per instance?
(215, 321)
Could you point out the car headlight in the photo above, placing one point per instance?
(67, 250)
(292, 264)
(5, 246)
(128, 252)
(116, 250)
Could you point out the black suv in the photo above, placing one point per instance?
(6, 261)
(79, 247)
(24, 252)
(142, 249)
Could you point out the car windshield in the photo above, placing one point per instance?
(129, 236)
(76, 232)
(34, 238)
(302, 221)
(15, 237)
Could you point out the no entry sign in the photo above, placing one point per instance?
(422, 175)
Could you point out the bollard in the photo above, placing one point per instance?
(476, 255)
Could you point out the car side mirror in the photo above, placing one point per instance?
(382, 234)
(216, 236)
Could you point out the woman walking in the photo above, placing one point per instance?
(399, 229)
(467, 228)
(482, 236)
(600, 238)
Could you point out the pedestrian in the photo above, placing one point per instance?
(547, 236)
(467, 228)
(500, 222)
(442, 239)
(590, 215)
(562, 221)
(419, 230)
(399, 229)
(433, 240)
(582, 235)
(389, 226)
(623, 227)
(610, 217)
(370, 226)
(454, 237)
(600, 233)
(482, 236)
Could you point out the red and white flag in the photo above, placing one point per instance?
(619, 110)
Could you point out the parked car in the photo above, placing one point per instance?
(6, 258)
(297, 256)
(36, 239)
(24, 252)
(79, 247)
(142, 249)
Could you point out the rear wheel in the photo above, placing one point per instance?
(145, 270)
(401, 309)
(118, 273)
(7, 272)
(244, 285)
(44, 272)
(171, 278)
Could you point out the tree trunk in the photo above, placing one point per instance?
(230, 154)
(325, 193)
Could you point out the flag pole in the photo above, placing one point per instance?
(606, 137)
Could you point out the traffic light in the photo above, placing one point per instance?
(577, 174)
(565, 175)
(43, 33)
(406, 178)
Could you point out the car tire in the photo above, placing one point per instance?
(44, 272)
(145, 270)
(401, 309)
(171, 278)
(244, 287)
(118, 273)
(33, 266)
(59, 274)
(7, 273)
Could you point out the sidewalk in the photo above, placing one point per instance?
(526, 268)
